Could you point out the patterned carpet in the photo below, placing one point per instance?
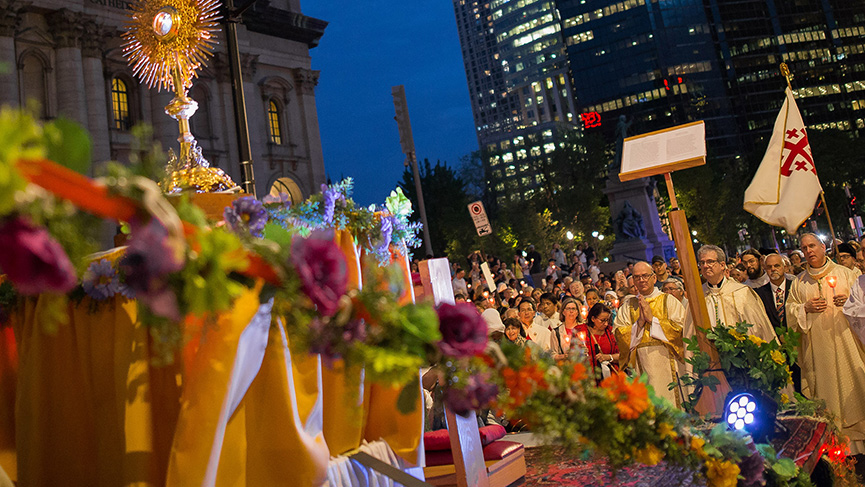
(547, 468)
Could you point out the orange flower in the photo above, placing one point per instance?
(631, 398)
(579, 372)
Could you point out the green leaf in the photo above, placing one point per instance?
(278, 234)
(407, 400)
(397, 203)
(68, 144)
(785, 468)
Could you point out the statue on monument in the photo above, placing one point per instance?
(629, 223)
(621, 135)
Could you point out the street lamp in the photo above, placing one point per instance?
(694, 233)
(569, 235)
(595, 234)
(600, 236)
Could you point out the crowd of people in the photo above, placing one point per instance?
(635, 319)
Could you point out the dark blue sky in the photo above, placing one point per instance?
(368, 47)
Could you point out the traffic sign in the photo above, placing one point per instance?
(479, 217)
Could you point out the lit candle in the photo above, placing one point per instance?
(584, 310)
(582, 335)
(832, 281)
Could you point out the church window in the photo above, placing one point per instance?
(120, 104)
(274, 121)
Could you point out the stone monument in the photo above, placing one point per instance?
(634, 212)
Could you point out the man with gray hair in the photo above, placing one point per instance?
(728, 301)
(675, 287)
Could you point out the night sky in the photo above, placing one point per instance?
(368, 47)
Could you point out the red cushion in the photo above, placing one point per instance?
(491, 433)
(497, 450)
(436, 440)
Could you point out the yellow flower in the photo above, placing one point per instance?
(665, 430)
(650, 455)
(756, 340)
(789, 376)
(721, 473)
(697, 445)
(777, 356)
(785, 398)
(738, 336)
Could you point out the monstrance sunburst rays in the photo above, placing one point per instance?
(168, 35)
(167, 41)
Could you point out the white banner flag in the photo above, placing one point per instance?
(786, 185)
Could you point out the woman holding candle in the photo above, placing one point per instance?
(599, 340)
(564, 333)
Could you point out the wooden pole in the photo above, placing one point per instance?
(710, 402)
(785, 71)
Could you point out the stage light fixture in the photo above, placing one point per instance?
(751, 412)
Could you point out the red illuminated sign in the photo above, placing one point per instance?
(591, 119)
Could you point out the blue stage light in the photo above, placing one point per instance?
(752, 412)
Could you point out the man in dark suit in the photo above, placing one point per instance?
(774, 296)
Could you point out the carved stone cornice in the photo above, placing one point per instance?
(10, 18)
(248, 66)
(93, 39)
(306, 80)
(67, 27)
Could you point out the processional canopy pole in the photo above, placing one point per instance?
(167, 42)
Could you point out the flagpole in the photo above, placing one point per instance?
(787, 76)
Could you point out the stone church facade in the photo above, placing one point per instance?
(67, 57)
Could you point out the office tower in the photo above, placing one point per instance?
(519, 86)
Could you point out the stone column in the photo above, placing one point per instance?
(9, 20)
(306, 81)
(68, 30)
(95, 94)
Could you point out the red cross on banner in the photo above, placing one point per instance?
(786, 186)
(797, 149)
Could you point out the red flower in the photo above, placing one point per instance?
(322, 270)
(32, 260)
(464, 331)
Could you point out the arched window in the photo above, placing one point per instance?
(288, 186)
(274, 122)
(33, 82)
(120, 104)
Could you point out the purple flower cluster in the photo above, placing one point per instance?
(321, 267)
(149, 260)
(246, 214)
(331, 196)
(283, 199)
(476, 394)
(32, 260)
(328, 339)
(464, 331)
(101, 280)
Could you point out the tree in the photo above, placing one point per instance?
(446, 202)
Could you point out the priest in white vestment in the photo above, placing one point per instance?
(730, 302)
(831, 356)
(648, 329)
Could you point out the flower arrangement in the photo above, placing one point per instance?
(749, 362)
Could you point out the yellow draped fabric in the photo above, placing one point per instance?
(345, 397)
(402, 432)
(90, 408)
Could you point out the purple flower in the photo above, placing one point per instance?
(476, 394)
(284, 199)
(246, 214)
(147, 264)
(752, 468)
(331, 196)
(330, 340)
(321, 267)
(464, 331)
(33, 261)
(100, 280)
